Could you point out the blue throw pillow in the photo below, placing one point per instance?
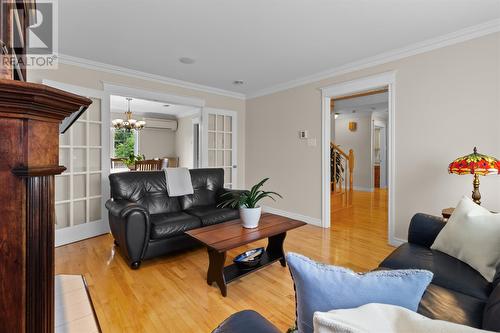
(321, 287)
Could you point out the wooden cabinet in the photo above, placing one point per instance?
(376, 176)
(29, 146)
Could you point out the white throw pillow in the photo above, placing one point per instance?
(383, 318)
(472, 235)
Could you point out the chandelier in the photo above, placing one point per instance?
(129, 124)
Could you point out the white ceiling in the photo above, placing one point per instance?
(262, 42)
(364, 104)
(151, 109)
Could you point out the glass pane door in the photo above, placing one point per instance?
(79, 189)
(221, 143)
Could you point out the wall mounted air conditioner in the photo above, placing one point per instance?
(161, 123)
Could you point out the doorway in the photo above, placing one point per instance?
(168, 134)
(353, 123)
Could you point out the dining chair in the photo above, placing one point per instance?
(148, 165)
(117, 163)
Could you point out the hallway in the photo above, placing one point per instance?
(362, 227)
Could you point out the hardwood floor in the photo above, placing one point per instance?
(169, 294)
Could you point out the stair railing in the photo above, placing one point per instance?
(342, 172)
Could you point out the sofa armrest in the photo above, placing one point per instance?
(247, 321)
(122, 208)
(424, 229)
(131, 227)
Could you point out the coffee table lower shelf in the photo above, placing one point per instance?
(233, 272)
(222, 275)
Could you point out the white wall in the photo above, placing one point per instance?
(93, 78)
(157, 143)
(447, 102)
(360, 142)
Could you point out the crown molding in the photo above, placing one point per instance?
(99, 66)
(383, 58)
(456, 37)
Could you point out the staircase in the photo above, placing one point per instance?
(342, 176)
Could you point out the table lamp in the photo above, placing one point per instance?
(477, 165)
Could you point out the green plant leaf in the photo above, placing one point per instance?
(248, 199)
(256, 187)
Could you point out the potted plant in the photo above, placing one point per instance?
(131, 159)
(247, 202)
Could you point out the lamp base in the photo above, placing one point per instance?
(476, 196)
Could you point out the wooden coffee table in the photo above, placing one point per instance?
(220, 238)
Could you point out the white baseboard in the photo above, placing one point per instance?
(363, 189)
(295, 216)
(80, 232)
(397, 241)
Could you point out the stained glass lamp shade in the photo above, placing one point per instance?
(478, 165)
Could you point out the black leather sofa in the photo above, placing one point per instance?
(458, 293)
(146, 222)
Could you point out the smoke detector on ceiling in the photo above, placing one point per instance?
(187, 60)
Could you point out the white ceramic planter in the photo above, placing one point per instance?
(250, 217)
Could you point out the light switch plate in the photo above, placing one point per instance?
(303, 134)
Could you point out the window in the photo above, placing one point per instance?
(124, 143)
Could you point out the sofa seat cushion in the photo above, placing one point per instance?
(212, 214)
(445, 304)
(449, 272)
(172, 224)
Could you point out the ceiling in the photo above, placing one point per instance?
(263, 43)
(363, 105)
(150, 109)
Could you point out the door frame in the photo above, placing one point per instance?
(115, 89)
(87, 230)
(387, 79)
(204, 139)
(197, 121)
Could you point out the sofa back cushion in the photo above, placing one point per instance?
(424, 229)
(207, 185)
(146, 188)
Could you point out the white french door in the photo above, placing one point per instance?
(219, 130)
(81, 191)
